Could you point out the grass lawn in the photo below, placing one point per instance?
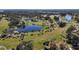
(37, 23)
(9, 43)
(3, 25)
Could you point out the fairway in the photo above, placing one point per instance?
(38, 40)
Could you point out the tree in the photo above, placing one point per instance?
(23, 24)
(25, 46)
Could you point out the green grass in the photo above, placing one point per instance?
(37, 23)
(9, 43)
(3, 25)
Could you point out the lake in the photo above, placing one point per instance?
(30, 28)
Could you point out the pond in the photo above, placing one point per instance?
(30, 28)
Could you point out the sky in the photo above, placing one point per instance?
(39, 4)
